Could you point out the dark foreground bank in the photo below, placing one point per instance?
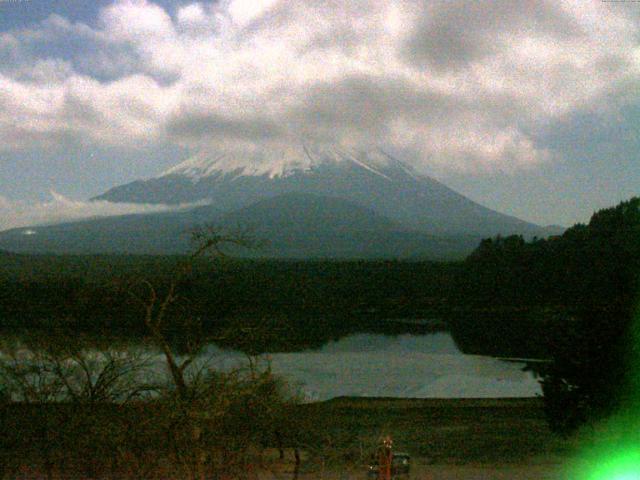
(333, 436)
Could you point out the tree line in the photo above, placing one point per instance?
(587, 279)
(576, 291)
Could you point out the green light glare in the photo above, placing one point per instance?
(611, 450)
(608, 451)
(625, 466)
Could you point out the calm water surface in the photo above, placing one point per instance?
(376, 365)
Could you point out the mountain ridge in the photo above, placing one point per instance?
(279, 163)
(371, 179)
(307, 202)
(294, 225)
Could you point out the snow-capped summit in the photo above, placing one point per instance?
(282, 163)
(369, 179)
(307, 202)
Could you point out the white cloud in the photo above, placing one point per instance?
(459, 85)
(136, 21)
(244, 11)
(192, 16)
(17, 214)
(127, 110)
(45, 71)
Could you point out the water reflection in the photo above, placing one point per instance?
(405, 343)
(362, 364)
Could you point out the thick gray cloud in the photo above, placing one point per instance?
(194, 125)
(456, 85)
(451, 34)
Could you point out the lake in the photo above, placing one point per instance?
(417, 366)
(377, 365)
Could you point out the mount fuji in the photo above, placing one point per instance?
(308, 202)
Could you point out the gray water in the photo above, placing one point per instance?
(373, 365)
(413, 366)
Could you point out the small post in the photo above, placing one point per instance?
(385, 459)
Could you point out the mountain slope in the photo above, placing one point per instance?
(304, 225)
(370, 179)
(143, 234)
(304, 213)
(294, 226)
(306, 202)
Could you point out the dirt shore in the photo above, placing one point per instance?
(445, 472)
(479, 439)
(531, 471)
(489, 472)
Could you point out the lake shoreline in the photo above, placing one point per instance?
(365, 365)
(455, 438)
(446, 438)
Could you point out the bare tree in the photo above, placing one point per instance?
(94, 411)
(202, 400)
(156, 304)
(68, 396)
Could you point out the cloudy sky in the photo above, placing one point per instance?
(531, 107)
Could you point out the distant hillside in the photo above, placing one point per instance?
(371, 179)
(594, 265)
(294, 225)
(307, 203)
(301, 213)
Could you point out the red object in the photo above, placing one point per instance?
(385, 459)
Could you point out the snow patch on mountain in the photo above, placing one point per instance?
(283, 163)
(371, 178)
